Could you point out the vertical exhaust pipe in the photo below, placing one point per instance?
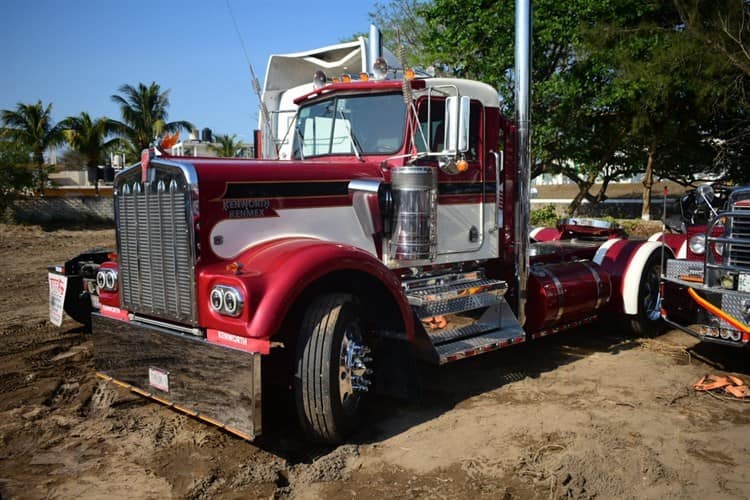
(374, 48)
(523, 147)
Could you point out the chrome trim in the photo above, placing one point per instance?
(499, 165)
(365, 185)
(598, 280)
(224, 290)
(586, 222)
(136, 318)
(560, 294)
(523, 121)
(217, 384)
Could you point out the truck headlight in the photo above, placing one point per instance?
(106, 279)
(697, 244)
(226, 300)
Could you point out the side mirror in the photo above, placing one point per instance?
(456, 125)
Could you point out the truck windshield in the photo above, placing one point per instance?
(365, 124)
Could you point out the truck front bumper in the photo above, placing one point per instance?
(681, 311)
(216, 384)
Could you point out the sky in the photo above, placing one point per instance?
(76, 53)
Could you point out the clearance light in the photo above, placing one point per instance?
(408, 74)
(335, 80)
(380, 69)
(346, 78)
(462, 165)
(319, 80)
(364, 76)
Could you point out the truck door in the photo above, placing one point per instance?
(461, 223)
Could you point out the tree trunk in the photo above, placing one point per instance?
(41, 174)
(648, 181)
(583, 190)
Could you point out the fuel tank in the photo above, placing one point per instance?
(565, 292)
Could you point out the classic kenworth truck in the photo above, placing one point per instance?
(396, 231)
(706, 289)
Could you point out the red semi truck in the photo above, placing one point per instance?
(706, 288)
(397, 230)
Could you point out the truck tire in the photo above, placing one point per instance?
(332, 378)
(648, 319)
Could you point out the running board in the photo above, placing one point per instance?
(497, 327)
(453, 293)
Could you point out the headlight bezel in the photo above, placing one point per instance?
(697, 244)
(107, 280)
(232, 300)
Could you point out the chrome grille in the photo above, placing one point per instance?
(739, 229)
(155, 244)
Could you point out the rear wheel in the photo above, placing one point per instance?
(332, 375)
(648, 319)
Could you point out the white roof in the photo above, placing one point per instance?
(482, 92)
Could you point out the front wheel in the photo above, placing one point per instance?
(332, 375)
(648, 319)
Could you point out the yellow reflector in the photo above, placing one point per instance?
(408, 74)
(346, 78)
(364, 77)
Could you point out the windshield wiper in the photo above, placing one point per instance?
(355, 143)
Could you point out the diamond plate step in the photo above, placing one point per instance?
(455, 334)
(473, 346)
(458, 304)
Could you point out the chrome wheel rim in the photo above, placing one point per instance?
(354, 375)
(652, 295)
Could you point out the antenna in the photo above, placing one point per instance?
(256, 86)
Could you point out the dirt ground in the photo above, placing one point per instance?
(583, 414)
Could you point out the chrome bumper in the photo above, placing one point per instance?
(216, 384)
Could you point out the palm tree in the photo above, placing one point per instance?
(31, 125)
(89, 138)
(144, 115)
(228, 145)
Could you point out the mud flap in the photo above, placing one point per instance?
(215, 384)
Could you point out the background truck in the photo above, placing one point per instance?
(396, 230)
(706, 289)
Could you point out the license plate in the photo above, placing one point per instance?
(158, 378)
(743, 283)
(57, 285)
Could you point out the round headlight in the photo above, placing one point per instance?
(697, 244)
(111, 279)
(230, 302)
(319, 80)
(101, 279)
(217, 299)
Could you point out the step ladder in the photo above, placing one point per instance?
(463, 315)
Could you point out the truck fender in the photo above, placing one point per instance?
(625, 261)
(281, 270)
(676, 242)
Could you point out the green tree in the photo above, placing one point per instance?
(91, 138)
(144, 115)
(227, 146)
(16, 174)
(31, 125)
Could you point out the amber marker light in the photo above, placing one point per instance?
(346, 78)
(112, 256)
(335, 80)
(462, 165)
(364, 77)
(408, 74)
(234, 267)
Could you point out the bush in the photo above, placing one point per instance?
(544, 217)
(16, 176)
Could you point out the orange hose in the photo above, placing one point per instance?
(718, 312)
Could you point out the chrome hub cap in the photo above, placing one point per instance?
(354, 376)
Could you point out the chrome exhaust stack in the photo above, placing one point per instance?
(523, 120)
(374, 48)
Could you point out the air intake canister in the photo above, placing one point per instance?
(414, 235)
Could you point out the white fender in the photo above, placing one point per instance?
(656, 236)
(682, 252)
(601, 252)
(534, 232)
(632, 278)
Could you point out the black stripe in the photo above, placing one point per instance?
(285, 189)
(455, 188)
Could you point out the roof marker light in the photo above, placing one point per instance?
(319, 80)
(346, 78)
(364, 76)
(380, 69)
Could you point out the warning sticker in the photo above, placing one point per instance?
(57, 285)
